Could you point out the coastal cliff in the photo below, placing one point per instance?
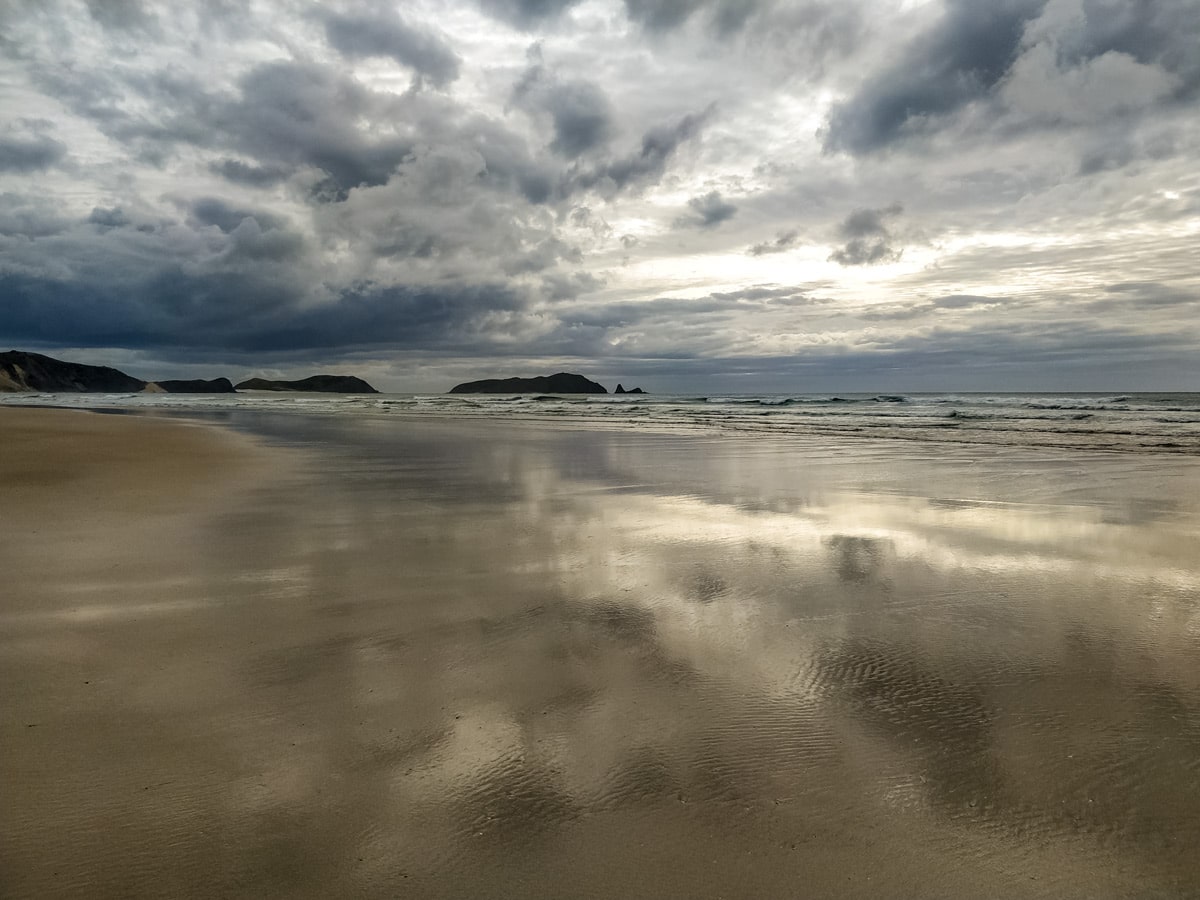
(22, 372)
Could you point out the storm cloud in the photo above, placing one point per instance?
(724, 192)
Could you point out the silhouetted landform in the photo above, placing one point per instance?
(621, 390)
(24, 372)
(328, 384)
(197, 386)
(21, 372)
(561, 383)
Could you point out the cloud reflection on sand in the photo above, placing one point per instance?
(462, 659)
(692, 655)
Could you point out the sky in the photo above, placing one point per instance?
(732, 195)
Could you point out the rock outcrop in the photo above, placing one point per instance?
(21, 371)
(621, 390)
(561, 383)
(329, 384)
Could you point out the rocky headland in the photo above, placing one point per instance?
(22, 372)
(25, 372)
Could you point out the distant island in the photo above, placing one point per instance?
(560, 383)
(330, 384)
(25, 372)
(196, 386)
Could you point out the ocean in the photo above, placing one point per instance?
(1132, 422)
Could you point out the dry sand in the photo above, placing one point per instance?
(381, 659)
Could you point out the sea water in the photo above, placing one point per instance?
(1151, 422)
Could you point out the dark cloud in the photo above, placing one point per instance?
(251, 242)
(108, 218)
(176, 310)
(869, 222)
(707, 211)
(1049, 68)
(868, 240)
(527, 14)
(959, 60)
(289, 117)
(285, 116)
(865, 252)
(581, 115)
(1153, 32)
(783, 242)
(30, 154)
(305, 114)
(251, 175)
(388, 35)
(214, 211)
(647, 165)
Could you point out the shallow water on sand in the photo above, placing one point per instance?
(461, 659)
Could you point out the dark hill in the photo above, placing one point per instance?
(197, 386)
(331, 384)
(562, 383)
(21, 371)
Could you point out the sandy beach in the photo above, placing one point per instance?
(278, 655)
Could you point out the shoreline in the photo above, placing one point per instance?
(922, 420)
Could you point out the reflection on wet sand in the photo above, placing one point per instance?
(455, 661)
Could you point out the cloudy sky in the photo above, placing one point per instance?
(683, 194)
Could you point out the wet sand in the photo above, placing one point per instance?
(382, 658)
